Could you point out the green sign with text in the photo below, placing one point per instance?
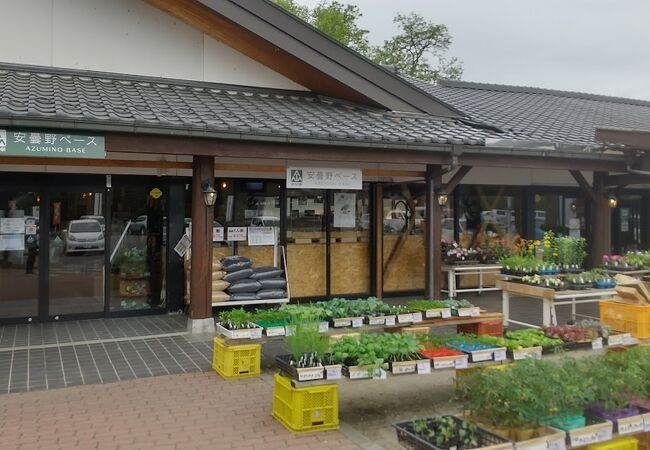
(51, 144)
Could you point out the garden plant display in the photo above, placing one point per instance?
(638, 259)
(453, 253)
(237, 319)
(573, 333)
(307, 349)
(272, 317)
(522, 339)
(443, 432)
(619, 263)
(571, 253)
(545, 282)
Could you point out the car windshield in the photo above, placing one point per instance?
(97, 218)
(85, 227)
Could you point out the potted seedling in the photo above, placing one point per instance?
(306, 313)
(433, 347)
(402, 352)
(273, 321)
(307, 349)
(361, 357)
(430, 308)
(238, 324)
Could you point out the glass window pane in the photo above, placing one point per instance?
(488, 213)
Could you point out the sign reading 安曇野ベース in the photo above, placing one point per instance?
(51, 144)
(324, 178)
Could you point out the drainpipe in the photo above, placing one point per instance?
(637, 171)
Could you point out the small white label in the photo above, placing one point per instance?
(523, 353)
(379, 374)
(417, 317)
(475, 312)
(631, 425)
(443, 363)
(597, 344)
(405, 318)
(340, 323)
(535, 446)
(404, 368)
(316, 374)
(557, 444)
(275, 331)
(424, 367)
(605, 434)
(333, 373)
(500, 355)
(289, 330)
(323, 327)
(376, 320)
(615, 339)
(646, 423)
(445, 313)
(357, 322)
(579, 440)
(356, 374)
(482, 356)
(460, 363)
(627, 339)
(464, 312)
(390, 321)
(431, 313)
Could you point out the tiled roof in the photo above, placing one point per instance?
(133, 103)
(541, 114)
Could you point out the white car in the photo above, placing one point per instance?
(99, 219)
(83, 236)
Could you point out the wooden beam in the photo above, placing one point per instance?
(179, 145)
(70, 162)
(456, 179)
(584, 184)
(202, 217)
(636, 139)
(601, 222)
(378, 245)
(433, 230)
(628, 178)
(539, 162)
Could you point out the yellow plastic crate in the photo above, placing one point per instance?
(626, 443)
(236, 361)
(305, 409)
(633, 319)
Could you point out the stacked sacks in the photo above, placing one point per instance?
(219, 285)
(247, 283)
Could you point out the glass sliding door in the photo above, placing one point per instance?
(19, 250)
(76, 228)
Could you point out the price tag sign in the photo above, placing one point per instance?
(275, 331)
(405, 318)
(333, 372)
(444, 363)
(597, 344)
(475, 312)
(460, 363)
(627, 339)
(404, 368)
(464, 312)
(500, 355)
(646, 423)
(340, 323)
(310, 374)
(431, 313)
(376, 320)
(482, 356)
(533, 446)
(357, 322)
(390, 321)
(424, 367)
(580, 440)
(417, 317)
(323, 327)
(289, 331)
(445, 313)
(605, 434)
(557, 444)
(630, 425)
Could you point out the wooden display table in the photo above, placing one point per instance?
(640, 274)
(550, 299)
(455, 271)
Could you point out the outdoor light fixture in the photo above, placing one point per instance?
(573, 206)
(209, 194)
(224, 185)
(442, 199)
(613, 201)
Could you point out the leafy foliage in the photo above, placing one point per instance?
(445, 432)
(306, 345)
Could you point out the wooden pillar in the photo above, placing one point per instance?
(202, 216)
(433, 237)
(601, 221)
(378, 240)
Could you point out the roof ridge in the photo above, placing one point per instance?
(543, 91)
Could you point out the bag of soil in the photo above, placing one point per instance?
(228, 260)
(218, 275)
(216, 265)
(220, 285)
(218, 296)
(239, 275)
(273, 283)
(247, 296)
(244, 286)
(263, 273)
(241, 265)
(270, 294)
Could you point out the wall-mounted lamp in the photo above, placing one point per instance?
(209, 194)
(612, 201)
(574, 206)
(224, 185)
(442, 199)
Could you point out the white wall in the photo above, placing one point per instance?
(124, 36)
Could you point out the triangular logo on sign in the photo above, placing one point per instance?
(296, 176)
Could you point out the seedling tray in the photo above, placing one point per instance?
(244, 333)
(306, 374)
(409, 440)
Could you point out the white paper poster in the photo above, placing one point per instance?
(12, 226)
(30, 227)
(345, 210)
(217, 234)
(12, 242)
(324, 178)
(183, 245)
(261, 236)
(236, 234)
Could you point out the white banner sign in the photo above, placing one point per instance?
(324, 178)
(345, 210)
(217, 234)
(236, 234)
(12, 242)
(261, 236)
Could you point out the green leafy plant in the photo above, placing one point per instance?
(236, 319)
(271, 317)
(424, 305)
(445, 432)
(306, 345)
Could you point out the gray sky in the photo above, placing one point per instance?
(595, 46)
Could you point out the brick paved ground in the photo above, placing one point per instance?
(190, 411)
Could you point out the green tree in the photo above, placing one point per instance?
(418, 50)
(411, 50)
